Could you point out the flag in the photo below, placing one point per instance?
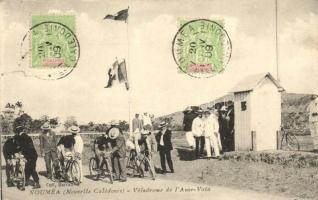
(117, 74)
(122, 74)
(120, 16)
(112, 74)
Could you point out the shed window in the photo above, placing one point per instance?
(243, 105)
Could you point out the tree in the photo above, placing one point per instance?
(44, 118)
(22, 123)
(54, 121)
(18, 106)
(36, 126)
(5, 125)
(70, 121)
(9, 114)
(123, 125)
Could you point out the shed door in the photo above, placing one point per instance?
(242, 121)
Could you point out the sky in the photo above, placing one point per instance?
(157, 86)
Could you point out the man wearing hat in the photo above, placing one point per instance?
(102, 145)
(65, 146)
(313, 120)
(118, 151)
(137, 123)
(146, 120)
(9, 149)
(25, 146)
(224, 129)
(145, 145)
(211, 132)
(230, 124)
(78, 146)
(189, 116)
(197, 130)
(164, 147)
(48, 148)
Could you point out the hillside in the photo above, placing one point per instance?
(293, 112)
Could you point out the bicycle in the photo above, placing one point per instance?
(103, 170)
(289, 140)
(57, 170)
(72, 170)
(17, 174)
(135, 162)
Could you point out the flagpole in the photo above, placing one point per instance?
(276, 42)
(128, 73)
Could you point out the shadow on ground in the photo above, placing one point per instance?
(186, 154)
(42, 173)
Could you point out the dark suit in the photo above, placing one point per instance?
(26, 146)
(9, 149)
(165, 149)
(48, 147)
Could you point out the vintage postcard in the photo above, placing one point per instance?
(158, 99)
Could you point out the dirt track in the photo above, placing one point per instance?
(134, 188)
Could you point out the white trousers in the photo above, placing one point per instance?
(314, 133)
(212, 142)
(190, 139)
(81, 169)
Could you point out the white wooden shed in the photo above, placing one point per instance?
(257, 106)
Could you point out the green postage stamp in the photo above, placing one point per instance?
(53, 47)
(53, 41)
(201, 48)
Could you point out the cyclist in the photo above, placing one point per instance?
(102, 145)
(9, 149)
(22, 126)
(143, 145)
(64, 146)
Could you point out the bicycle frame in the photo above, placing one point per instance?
(18, 170)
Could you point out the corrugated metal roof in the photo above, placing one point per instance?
(250, 82)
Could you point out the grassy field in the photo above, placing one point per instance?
(291, 181)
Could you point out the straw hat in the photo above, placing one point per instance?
(162, 124)
(188, 109)
(113, 133)
(210, 108)
(74, 129)
(46, 126)
(223, 108)
(145, 132)
(147, 127)
(113, 123)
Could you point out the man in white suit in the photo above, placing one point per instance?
(197, 131)
(211, 133)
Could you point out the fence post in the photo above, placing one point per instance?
(253, 137)
(278, 139)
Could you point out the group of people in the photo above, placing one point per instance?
(212, 129)
(143, 138)
(55, 151)
(21, 146)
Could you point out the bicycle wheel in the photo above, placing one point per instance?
(22, 176)
(292, 142)
(54, 172)
(151, 168)
(109, 170)
(75, 172)
(129, 161)
(140, 170)
(93, 167)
